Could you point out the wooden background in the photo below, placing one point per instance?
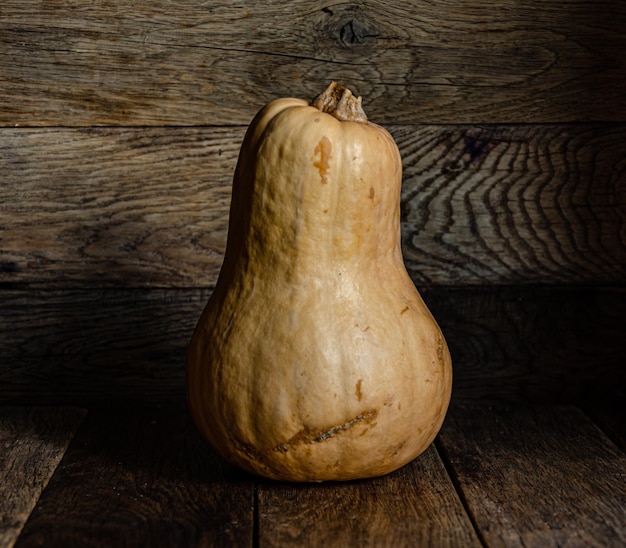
(120, 125)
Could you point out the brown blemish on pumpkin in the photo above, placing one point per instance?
(321, 158)
(247, 452)
(309, 436)
(247, 449)
(440, 343)
(405, 309)
(372, 193)
(359, 394)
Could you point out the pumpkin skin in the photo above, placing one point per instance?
(315, 358)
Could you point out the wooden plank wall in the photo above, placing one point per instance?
(119, 131)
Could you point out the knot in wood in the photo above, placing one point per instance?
(352, 24)
(351, 33)
(354, 33)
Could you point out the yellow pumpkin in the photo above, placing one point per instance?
(315, 358)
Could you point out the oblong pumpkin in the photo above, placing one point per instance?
(316, 358)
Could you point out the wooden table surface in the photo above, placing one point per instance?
(498, 475)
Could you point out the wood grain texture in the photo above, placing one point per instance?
(115, 207)
(537, 476)
(102, 347)
(142, 478)
(416, 505)
(32, 441)
(539, 344)
(518, 205)
(146, 207)
(98, 347)
(188, 63)
(529, 476)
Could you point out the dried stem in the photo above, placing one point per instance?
(339, 102)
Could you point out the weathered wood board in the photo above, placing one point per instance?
(498, 475)
(537, 476)
(189, 63)
(142, 478)
(100, 347)
(32, 442)
(146, 207)
(417, 505)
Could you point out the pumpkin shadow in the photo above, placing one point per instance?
(103, 348)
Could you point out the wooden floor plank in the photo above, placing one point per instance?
(414, 506)
(537, 476)
(142, 478)
(32, 443)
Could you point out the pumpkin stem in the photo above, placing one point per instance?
(339, 102)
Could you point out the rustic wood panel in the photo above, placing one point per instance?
(100, 347)
(526, 204)
(142, 478)
(138, 207)
(541, 344)
(96, 347)
(540, 476)
(141, 207)
(33, 441)
(416, 505)
(188, 63)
